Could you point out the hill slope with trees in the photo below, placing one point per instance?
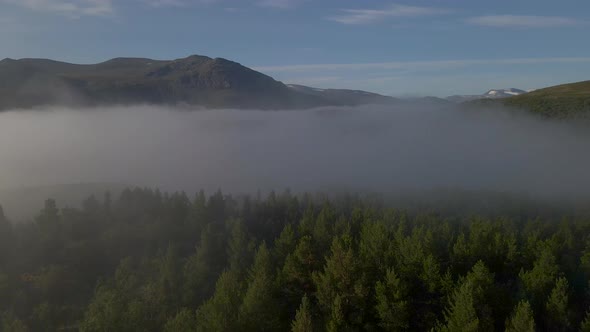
(561, 101)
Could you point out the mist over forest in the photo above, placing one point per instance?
(417, 216)
(365, 148)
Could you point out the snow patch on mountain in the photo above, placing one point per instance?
(490, 94)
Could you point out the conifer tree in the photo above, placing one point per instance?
(184, 321)
(557, 307)
(392, 307)
(539, 280)
(468, 309)
(522, 319)
(220, 312)
(339, 286)
(259, 308)
(303, 318)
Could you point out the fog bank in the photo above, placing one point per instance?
(375, 148)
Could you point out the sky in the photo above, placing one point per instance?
(403, 48)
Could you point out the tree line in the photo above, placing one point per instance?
(152, 261)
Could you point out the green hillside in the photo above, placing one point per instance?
(561, 101)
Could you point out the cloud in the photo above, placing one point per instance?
(177, 3)
(367, 16)
(71, 8)
(524, 21)
(434, 64)
(281, 4)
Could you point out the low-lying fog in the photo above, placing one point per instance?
(374, 148)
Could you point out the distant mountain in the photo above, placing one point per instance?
(491, 94)
(429, 100)
(343, 96)
(503, 93)
(195, 80)
(561, 101)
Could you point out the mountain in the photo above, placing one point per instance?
(491, 94)
(561, 101)
(195, 80)
(503, 93)
(342, 96)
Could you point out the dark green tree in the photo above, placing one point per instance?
(557, 307)
(184, 321)
(220, 312)
(303, 321)
(392, 306)
(522, 319)
(259, 309)
(340, 291)
(468, 309)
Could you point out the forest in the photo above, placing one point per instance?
(152, 261)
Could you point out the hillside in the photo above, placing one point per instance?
(561, 101)
(195, 80)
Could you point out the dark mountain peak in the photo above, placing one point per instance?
(7, 60)
(190, 61)
(124, 61)
(195, 57)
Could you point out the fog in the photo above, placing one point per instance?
(372, 148)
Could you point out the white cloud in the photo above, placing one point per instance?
(281, 4)
(435, 64)
(71, 8)
(177, 3)
(366, 16)
(523, 21)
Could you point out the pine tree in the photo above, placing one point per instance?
(461, 315)
(522, 319)
(468, 309)
(184, 321)
(340, 282)
(373, 244)
(259, 309)
(170, 280)
(240, 248)
(391, 307)
(538, 281)
(220, 312)
(557, 307)
(303, 320)
(202, 267)
(336, 320)
(284, 245)
(296, 274)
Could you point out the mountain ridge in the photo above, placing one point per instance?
(490, 94)
(195, 80)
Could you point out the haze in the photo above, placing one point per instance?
(369, 148)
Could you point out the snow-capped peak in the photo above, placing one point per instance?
(502, 93)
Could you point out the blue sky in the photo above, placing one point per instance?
(402, 48)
